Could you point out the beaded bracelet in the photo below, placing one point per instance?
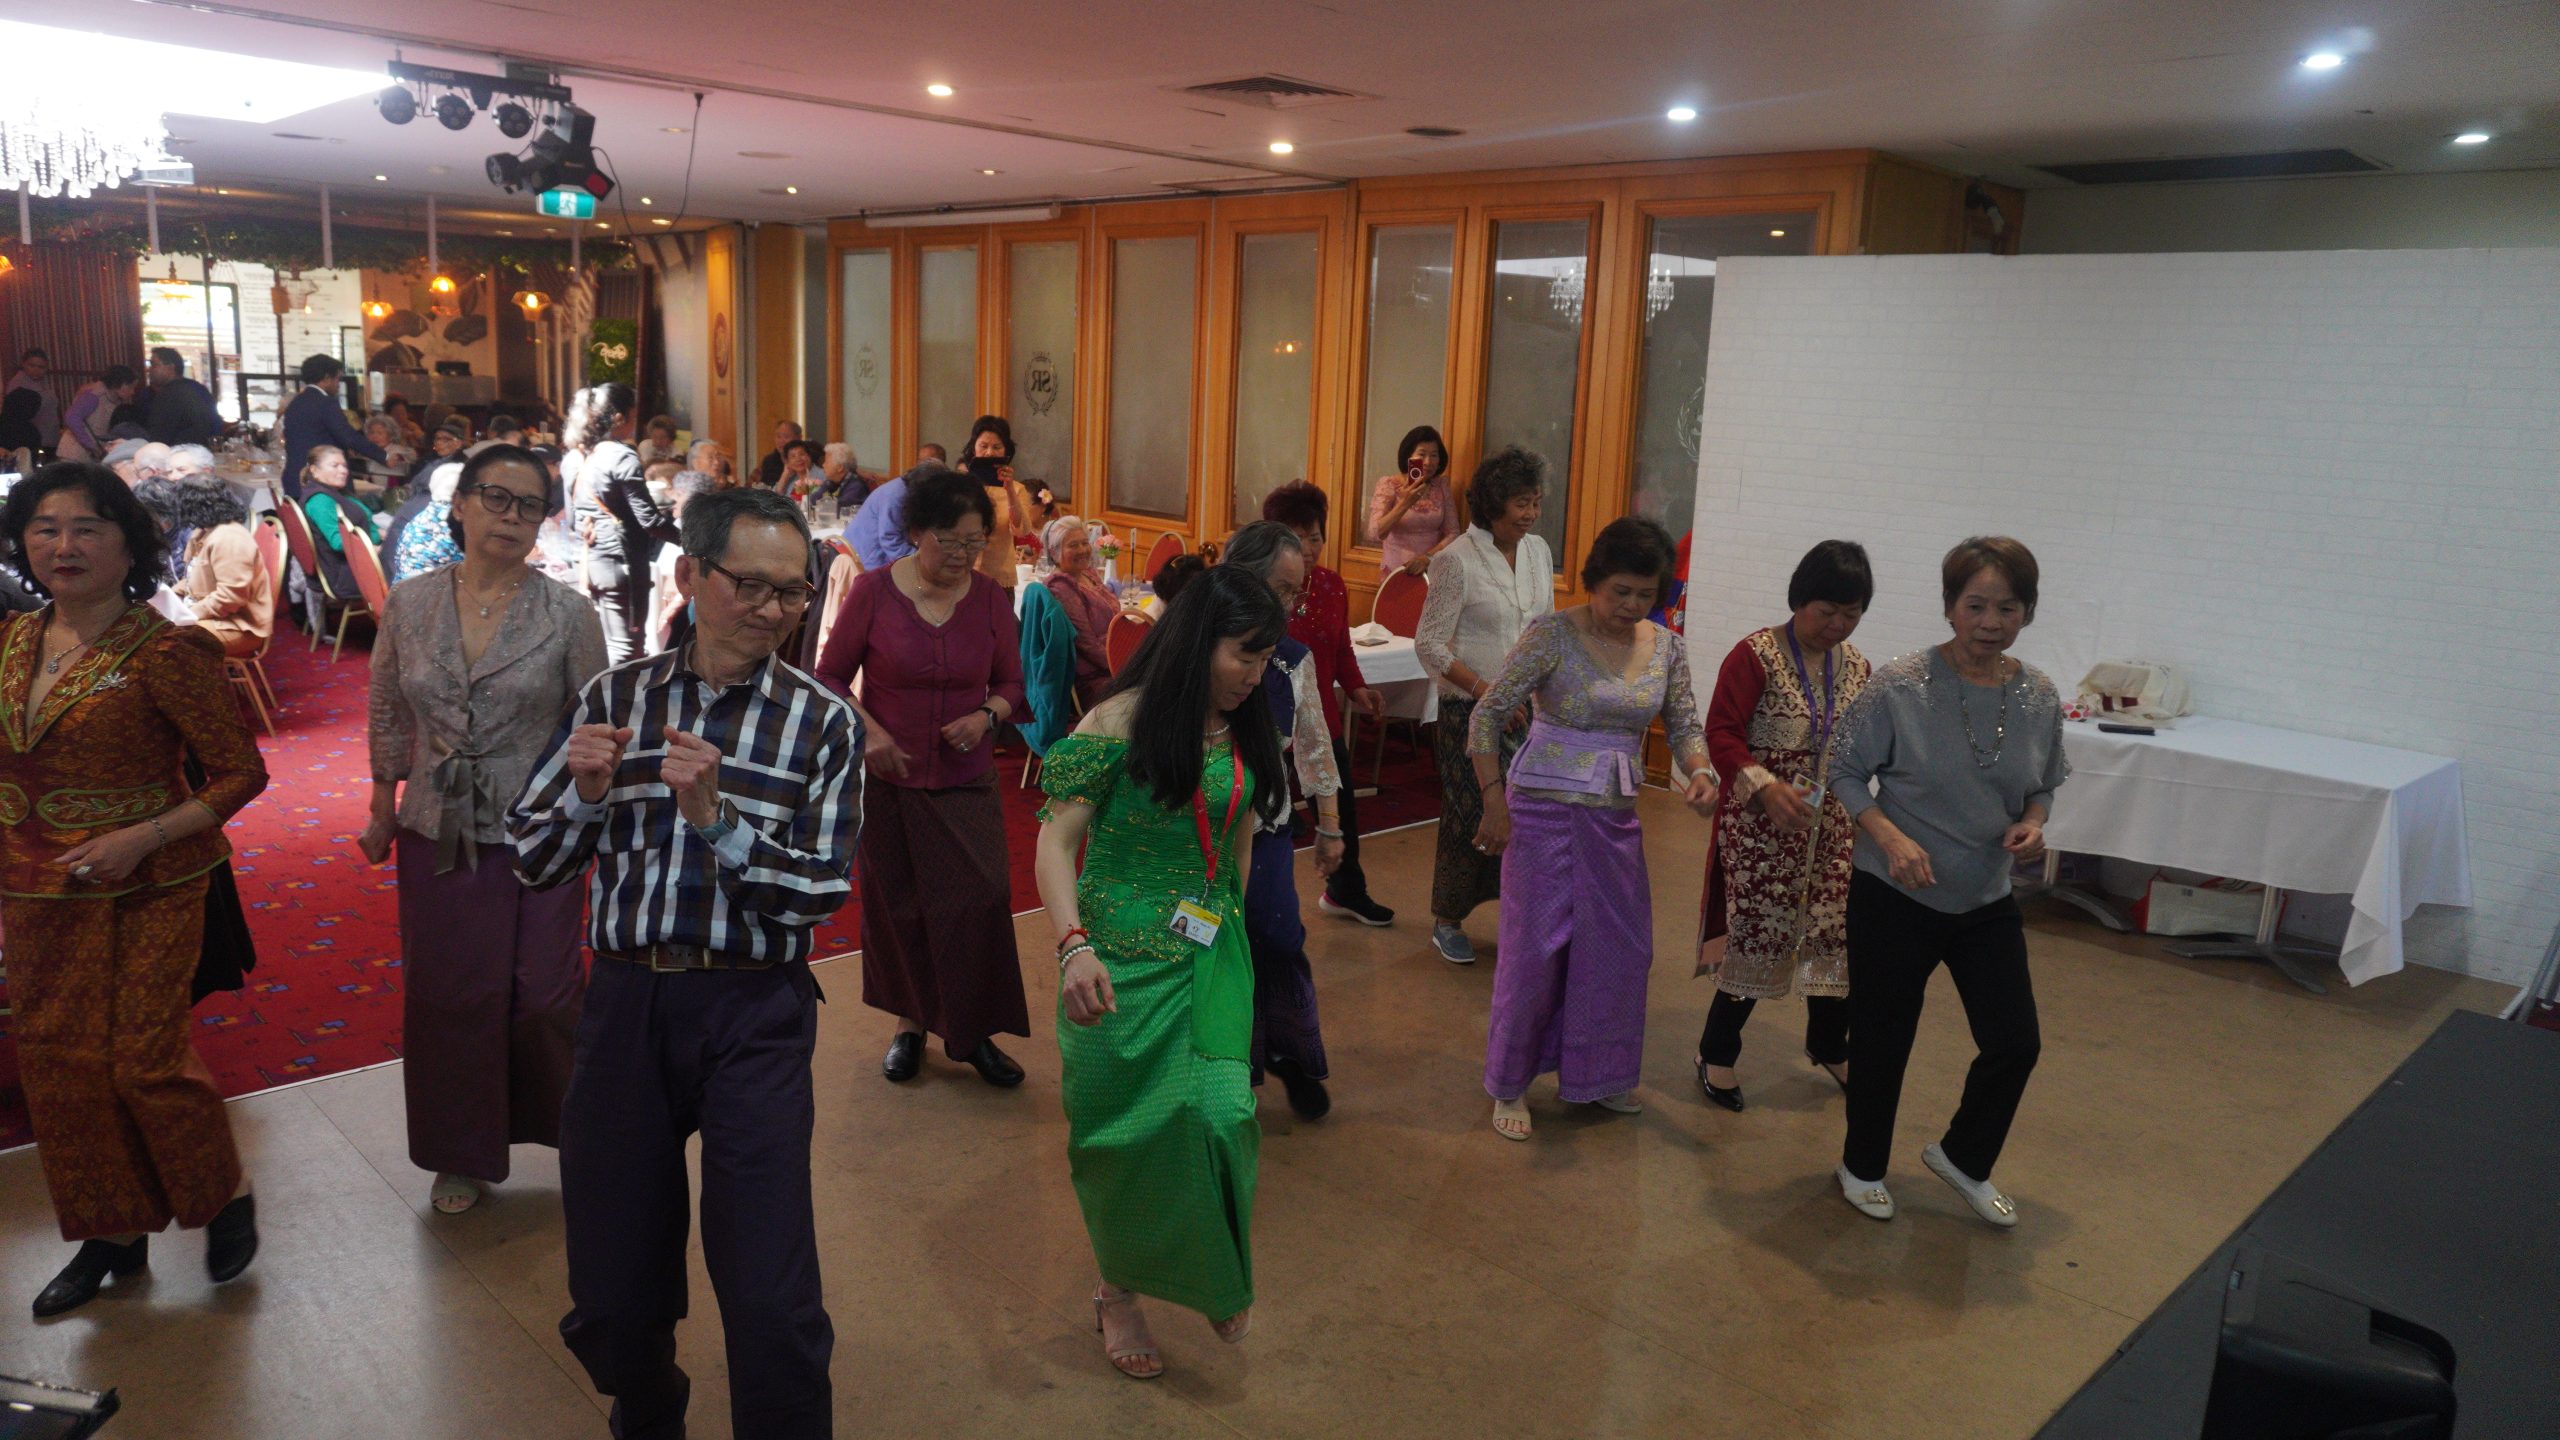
(1067, 955)
(1324, 834)
(156, 830)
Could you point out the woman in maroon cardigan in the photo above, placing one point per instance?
(940, 666)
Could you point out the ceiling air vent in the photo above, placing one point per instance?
(1433, 132)
(2274, 164)
(1275, 92)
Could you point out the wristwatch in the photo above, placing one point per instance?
(717, 831)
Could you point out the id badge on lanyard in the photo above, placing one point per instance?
(1194, 920)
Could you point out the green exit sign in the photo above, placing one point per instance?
(567, 204)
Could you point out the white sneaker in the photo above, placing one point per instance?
(1453, 944)
(1872, 1199)
(1982, 1195)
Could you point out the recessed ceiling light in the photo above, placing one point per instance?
(2472, 137)
(1282, 147)
(1680, 114)
(938, 90)
(226, 192)
(2323, 60)
(602, 225)
(660, 220)
(506, 232)
(384, 178)
(790, 189)
(645, 200)
(999, 172)
(1777, 234)
(675, 129)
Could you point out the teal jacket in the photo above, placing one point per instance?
(1048, 668)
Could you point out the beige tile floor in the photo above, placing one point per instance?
(1682, 1272)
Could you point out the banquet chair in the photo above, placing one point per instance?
(366, 561)
(1121, 641)
(305, 550)
(1397, 606)
(249, 672)
(1166, 547)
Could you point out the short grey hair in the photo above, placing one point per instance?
(1258, 546)
(191, 457)
(709, 518)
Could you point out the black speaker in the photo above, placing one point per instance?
(33, 1410)
(2305, 1358)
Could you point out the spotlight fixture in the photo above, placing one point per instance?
(562, 156)
(514, 121)
(2323, 60)
(2472, 137)
(938, 90)
(1680, 114)
(453, 112)
(442, 285)
(1282, 147)
(396, 104)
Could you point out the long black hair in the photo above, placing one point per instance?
(1170, 672)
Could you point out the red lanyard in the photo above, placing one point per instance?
(1200, 812)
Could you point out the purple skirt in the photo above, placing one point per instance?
(1576, 948)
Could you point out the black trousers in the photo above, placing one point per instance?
(621, 591)
(1348, 882)
(1826, 1028)
(661, 1056)
(1895, 943)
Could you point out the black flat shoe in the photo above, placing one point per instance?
(993, 1065)
(1308, 1099)
(905, 1057)
(77, 1285)
(1827, 1070)
(231, 1241)
(1728, 1096)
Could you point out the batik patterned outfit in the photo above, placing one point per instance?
(99, 972)
(1577, 926)
(1478, 604)
(1161, 1136)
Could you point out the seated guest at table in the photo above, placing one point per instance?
(503, 429)
(878, 531)
(151, 462)
(1484, 589)
(1963, 746)
(1043, 503)
(841, 477)
(799, 475)
(657, 441)
(317, 416)
(188, 462)
(412, 434)
(716, 790)
(934, 453)
(1175, 573)
(382, 434)
(1322, 623)
(1577, 925)
(425, 540)
(706, 456)
(1777, 892)
(1090, 606)
(223, 580)
(182, 410)
(934, 647)
(331, 502)
(447, 441)
(124, 458)
(473, 668)
(1412, 516)
(91, 414)
(769, 469)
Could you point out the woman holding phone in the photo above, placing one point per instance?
(1412, 516)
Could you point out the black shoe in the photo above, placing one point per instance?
(1308, 1099)
(231, 1241)
(1358, 907)
(1827, 1070)
(77, 1285)
(1728, 1096)
(993, 1065)
(905, 1057)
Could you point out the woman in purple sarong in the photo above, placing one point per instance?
(1577, 930)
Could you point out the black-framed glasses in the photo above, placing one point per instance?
(753, 593)
(498, 500)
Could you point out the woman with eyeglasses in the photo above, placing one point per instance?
(934, 645)
(474, 666)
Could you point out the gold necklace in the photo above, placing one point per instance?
(493, 602)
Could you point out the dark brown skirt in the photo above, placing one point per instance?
(937, 913)
(1462, 877)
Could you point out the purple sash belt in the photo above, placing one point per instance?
(1583, 762)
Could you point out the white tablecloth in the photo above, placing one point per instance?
(2278, 807)
(1395, 672)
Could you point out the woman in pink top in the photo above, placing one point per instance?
(940, 664)
(1411, 514)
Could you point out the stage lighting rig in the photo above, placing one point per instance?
(562, 156)
(457, 96)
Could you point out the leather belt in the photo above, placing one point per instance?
(666, 958)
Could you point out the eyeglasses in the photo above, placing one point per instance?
(753, 593)
(955, 543)
(498, 500)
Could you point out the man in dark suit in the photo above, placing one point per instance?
(182, 410)
(315, 417)
(769, 470)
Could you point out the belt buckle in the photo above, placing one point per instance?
(659, 954)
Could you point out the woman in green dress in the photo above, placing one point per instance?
(1158, 789)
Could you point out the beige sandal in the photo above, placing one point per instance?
(1138, 1362)
(454, 1194)
(1623, 1103)
(1234, 1327)
(1512, 1125)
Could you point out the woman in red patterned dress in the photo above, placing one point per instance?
(105, 854)
(1776, 911)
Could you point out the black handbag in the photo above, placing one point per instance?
(228, 954)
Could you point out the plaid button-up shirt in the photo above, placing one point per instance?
(790, 776)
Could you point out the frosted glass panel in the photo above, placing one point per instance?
(863, 290)
(1533, 351)
(1040, 393)
(947, 349)
(1154, 286)
(1409, 272)
(1275, 366)
(1680, 293)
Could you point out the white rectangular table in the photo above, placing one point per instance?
(1395, 672)
(2284, 809)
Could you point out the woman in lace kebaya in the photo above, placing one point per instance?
(1577, 914)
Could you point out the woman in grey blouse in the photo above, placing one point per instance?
(474, 665)
(1964, 746)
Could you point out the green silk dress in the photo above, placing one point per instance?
(1161, 1134)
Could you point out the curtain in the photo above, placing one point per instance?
(81, 304)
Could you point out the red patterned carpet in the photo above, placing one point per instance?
(325, 997)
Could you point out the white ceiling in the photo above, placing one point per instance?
(1074, 101)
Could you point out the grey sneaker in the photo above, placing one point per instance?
(1453, 944)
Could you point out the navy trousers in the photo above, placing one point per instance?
(1284, 986)
(660, 1057)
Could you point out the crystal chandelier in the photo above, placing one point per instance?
(58, 141)
(1566, 294)
(1657, 294)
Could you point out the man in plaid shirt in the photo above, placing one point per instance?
(717, 791)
